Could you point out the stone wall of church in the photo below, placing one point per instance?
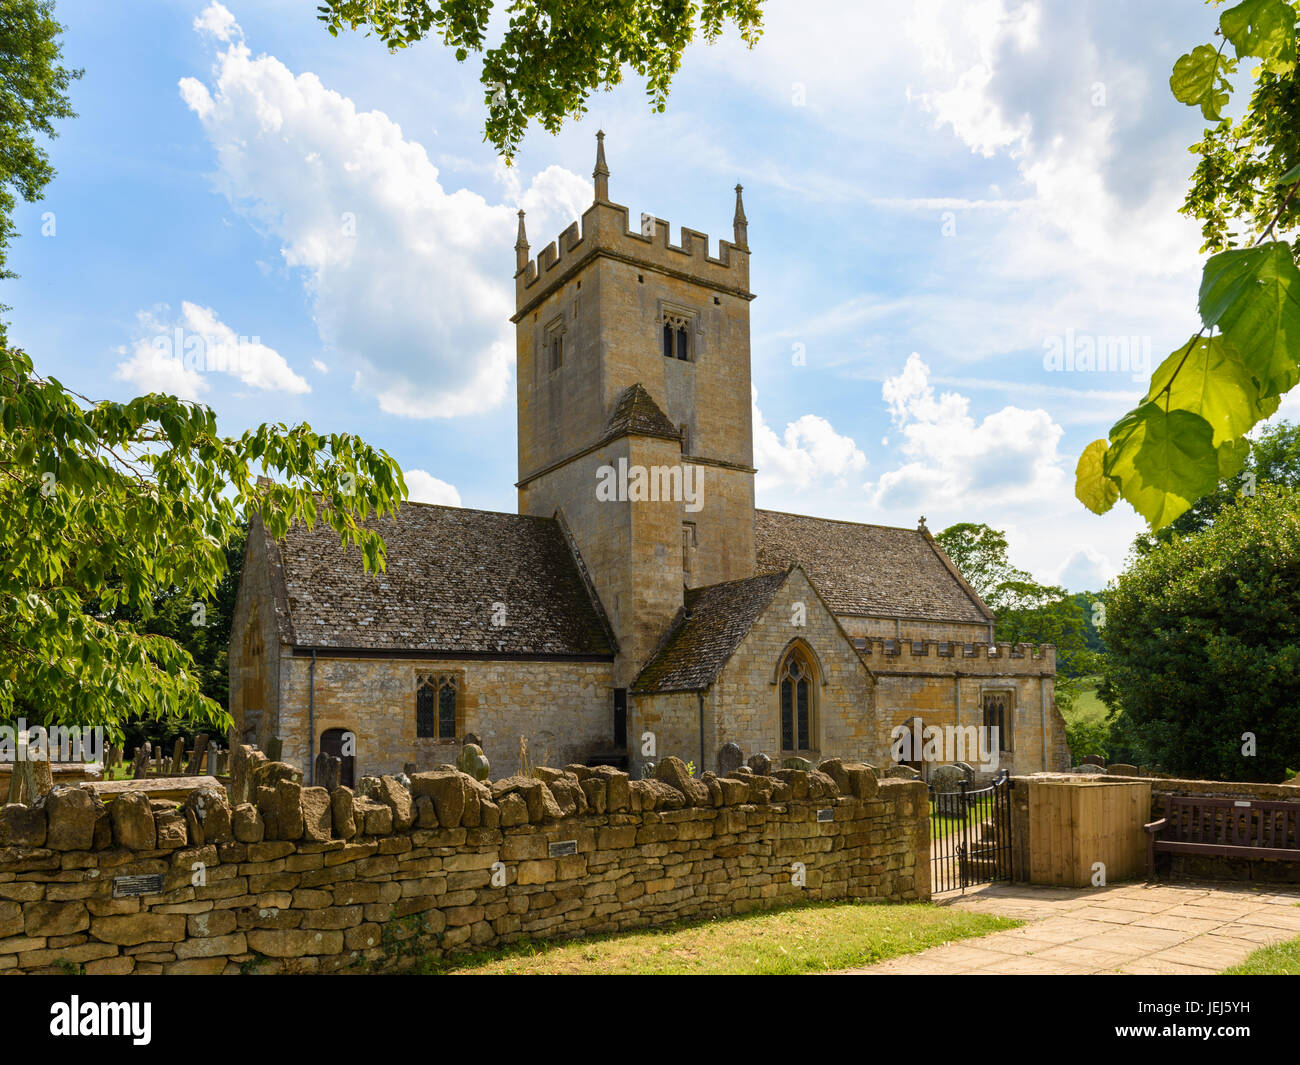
(563, 709)
(947, 689)
(744, 700)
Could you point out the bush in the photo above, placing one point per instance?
(1203, 636)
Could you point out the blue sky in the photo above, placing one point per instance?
(940, 194)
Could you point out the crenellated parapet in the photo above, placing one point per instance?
(606, 229)
(949, 655)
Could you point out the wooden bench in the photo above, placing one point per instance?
(1225, 828)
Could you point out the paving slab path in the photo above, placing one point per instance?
(1189, 928)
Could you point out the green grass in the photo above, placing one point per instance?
(813, 937)
(1087, 706)
(1281, 959)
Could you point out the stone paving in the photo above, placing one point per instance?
(1188, 928)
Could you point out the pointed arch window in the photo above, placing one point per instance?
(437, 705)
(795, 685)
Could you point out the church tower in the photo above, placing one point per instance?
(634, 408)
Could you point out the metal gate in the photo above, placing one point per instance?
(970, 835)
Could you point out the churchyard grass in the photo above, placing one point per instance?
(815, 937)
(1281, 959)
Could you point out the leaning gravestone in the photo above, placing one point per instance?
(140, 767)
(761, 764)
(1088, 770)
(730, 758)
(901, 772)
(473, 762)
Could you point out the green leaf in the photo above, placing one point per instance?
(1164, 461)
(1253, 296)
(1232, 455)
(1199, 79)
(1092, 487)
(1209, 378)
(1289, 178)
(1262, 28)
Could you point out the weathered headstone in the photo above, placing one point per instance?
(1093, 759)
(140, 765)
(196, 759)
(946, 782)
(730, 758)
(797, 763)
(178, 757)
(1122, 769)
(473, 762)
(967, 770)
(761, 764)
(329, 769)
(274, 748)
(899, 771)
(1088, 770)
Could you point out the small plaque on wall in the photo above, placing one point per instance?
(125, 887)
(565, 846)
(827, 814)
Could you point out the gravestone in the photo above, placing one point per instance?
(140, 765)
(901, 772)
(1088, 770)
(473, 762)
(196, 759)
(946, 782)
(328, 771)
(968, 771)
(178, 757)
(1122, 769)
(274, 748)
(798, 763)
(730, 758)
(1093, 759)
(761, 764)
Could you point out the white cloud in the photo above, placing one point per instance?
(1009, 456)
(319, 366)
(1086, 568)
(217, 21)
(177, 355)
(406, 277)
(423, 487)
(809, 451)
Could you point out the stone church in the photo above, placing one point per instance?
(638, 605)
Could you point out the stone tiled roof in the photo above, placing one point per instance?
(872, 570)
(446, 568)
(636, 412)
(706, 632)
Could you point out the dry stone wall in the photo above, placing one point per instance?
(281, 877)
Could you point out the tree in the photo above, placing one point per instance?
(106, 507)
(1274, 458)
(33, 92)
(1188, 433)
(1024, 610)
(1203, 644)
(552, 56)
(981, 554)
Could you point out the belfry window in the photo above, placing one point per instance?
(677, 337)
(437, 705)
(796, 695)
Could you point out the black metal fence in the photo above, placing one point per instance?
(970, 835)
